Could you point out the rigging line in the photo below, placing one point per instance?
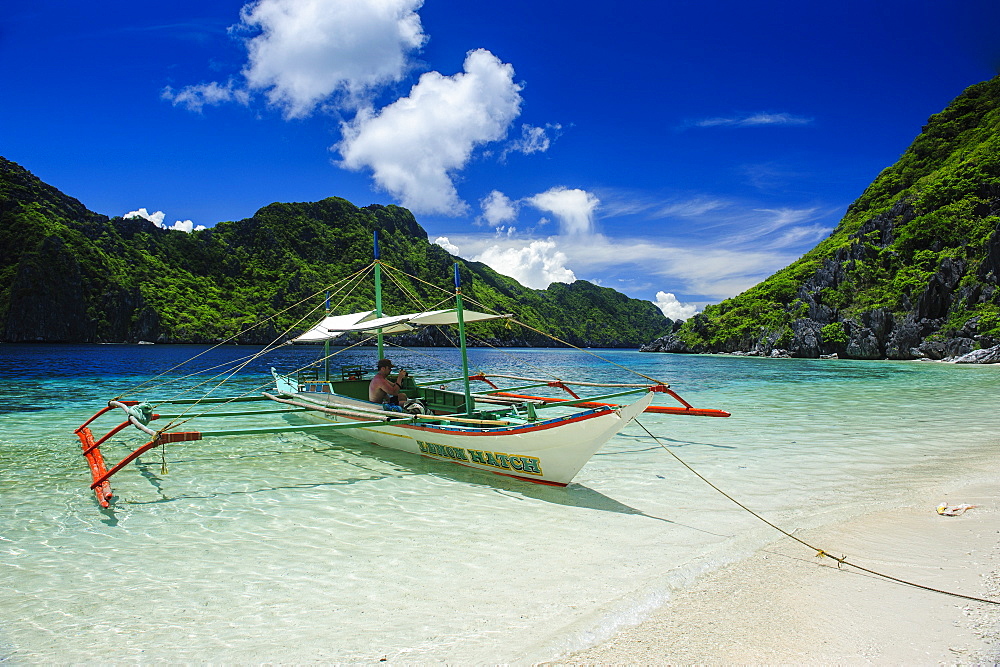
(417, 278)
(593, 354)
(820, 553)
(355, 276)
(404, 289)
(270, 347)
(178, 421)
(516, 358)
(476, 302)
(441, 362)
(267, 349)
(140, 386)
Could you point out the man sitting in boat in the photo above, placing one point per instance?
(385, 391)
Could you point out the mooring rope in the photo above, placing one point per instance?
(820, 553)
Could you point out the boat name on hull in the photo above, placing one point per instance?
(523, 464)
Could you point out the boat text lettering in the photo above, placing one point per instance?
(525, 464)
(528, 464)
(456, 453)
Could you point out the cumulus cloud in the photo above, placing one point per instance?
(197, 97)
(184, 226)
(308, 50)
(497, 208)
(157, 219)
(446, 244)
(536, 265)
(711, 271)
(303, 53)
(574, 209)
(754, 120)
(414, 145)
(673, 308)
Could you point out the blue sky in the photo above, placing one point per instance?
(676, 151)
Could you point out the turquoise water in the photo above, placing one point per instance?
(306, 548)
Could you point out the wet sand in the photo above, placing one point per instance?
(784, 605)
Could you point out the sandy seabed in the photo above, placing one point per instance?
(785, 605)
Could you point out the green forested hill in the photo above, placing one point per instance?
(70, 275)
(911, 270)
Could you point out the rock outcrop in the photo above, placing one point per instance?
(912, 271)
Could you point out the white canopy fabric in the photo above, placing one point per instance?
(332, 327)
(322, 331)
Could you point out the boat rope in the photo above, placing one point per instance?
(820, 553)
(391, 275)
(520, 360)
(273, 345)
(486, 308)
(593, 354)
(417, 278)
(184, 417)
(438, 360)
(148, 384)
(270, 347)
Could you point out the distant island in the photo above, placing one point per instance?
(70, 275)
(910, 272)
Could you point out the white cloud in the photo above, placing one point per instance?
(184, 226)
(711, 271)
(691, 208)
(574, 209)
(303, 53)
(415, 144)
(155, 218)
(536, 265)
(308, 50)
(446, 244)
(757, 225)
(196, 97)
(533, 139)
(755, 120)
(673, 308)
(498, 208)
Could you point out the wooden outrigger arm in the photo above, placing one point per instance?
(101, 475)
(688, 409)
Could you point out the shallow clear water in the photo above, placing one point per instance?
(297, 548)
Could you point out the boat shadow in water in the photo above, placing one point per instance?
(572, 495)
(372, 463)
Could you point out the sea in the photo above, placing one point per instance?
(305, 548)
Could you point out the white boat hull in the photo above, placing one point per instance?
(549, 451)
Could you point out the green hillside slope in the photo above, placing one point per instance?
(911, 270)
(70, 275)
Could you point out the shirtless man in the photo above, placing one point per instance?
(384, 390)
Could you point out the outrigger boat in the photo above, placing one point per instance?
(541, 439)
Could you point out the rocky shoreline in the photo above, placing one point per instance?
(958, 352)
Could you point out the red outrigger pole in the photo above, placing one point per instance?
(688, 409)
(92, 448)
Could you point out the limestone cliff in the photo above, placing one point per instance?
(911, 271)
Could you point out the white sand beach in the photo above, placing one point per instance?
(784, 605)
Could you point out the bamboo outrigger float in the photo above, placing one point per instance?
(496, 429)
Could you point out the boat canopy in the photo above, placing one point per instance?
(364, 322)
